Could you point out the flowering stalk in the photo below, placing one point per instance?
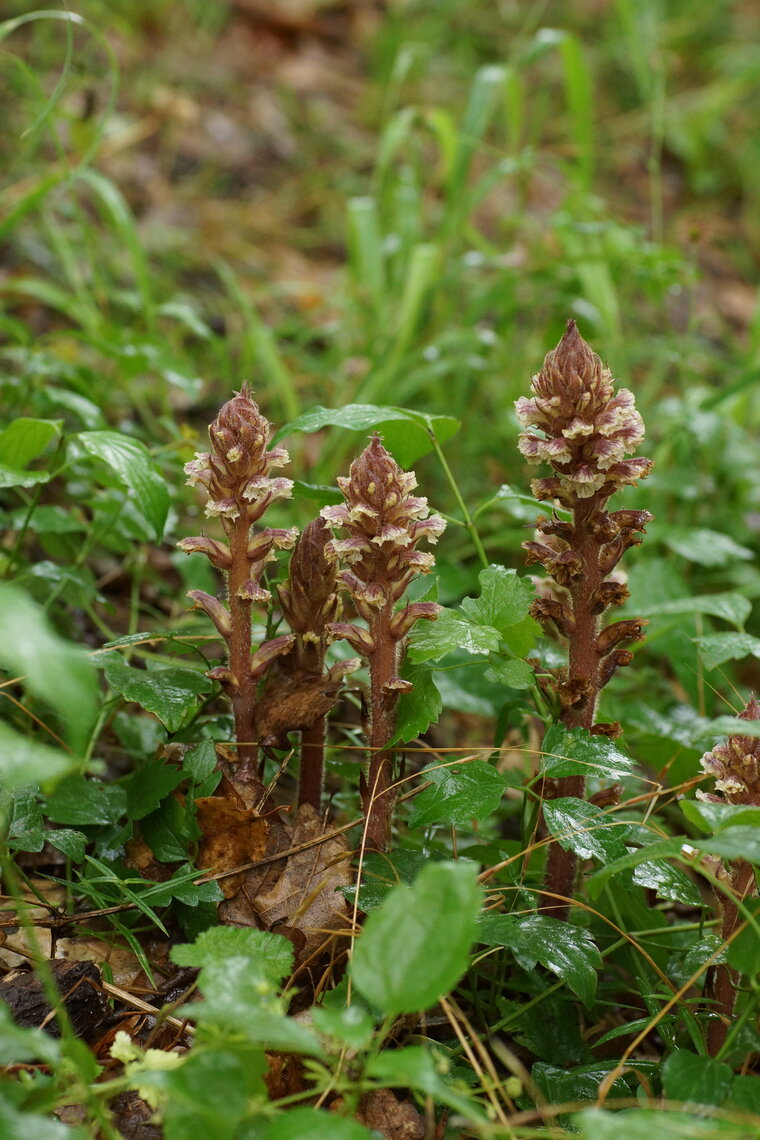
(310, 603)
(384, 523)
(585, 431)
(735, 766)
(236, 476)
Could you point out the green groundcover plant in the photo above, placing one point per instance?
(321, 815)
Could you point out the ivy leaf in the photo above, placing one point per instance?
(460, 793)
(567, 951)
(584, 828)
(393, 967)
(431, 640)
(421, 707)
(148, 786)
(131, 463)
(169, 693)
(575, 752)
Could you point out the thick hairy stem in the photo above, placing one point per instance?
(377, 797)
(722, 982)
(583, 672)
(244, 691)
(311, 777)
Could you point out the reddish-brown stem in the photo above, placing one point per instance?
(311, 776)
(243, 692)
(721, 986)
(377, 797)
(583, 672)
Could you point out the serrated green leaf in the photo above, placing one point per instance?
(512, 672)
(168, 831)
(131, 463)
(148, 786)
(717, 648)
(504, 599)
(425, 1071)
(439, 910)
(271, 953)
(406, 434)
(669, 882)
(568, 951)
(169, 693)
(200, 761)
(420, 708)
(584, 828)
(691, 1079)
(380, 873)
(431, 640)
(55, 671)
(575, 752)
(460, 793)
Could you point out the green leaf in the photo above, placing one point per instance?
(709, 816)
(71, 843)
(420, 708)
(574, 1086)
(352, 1025)
(271, 953)
(460, 793)
(424, 1070)
(691, 1079)
(24, 761)
(738, 842)
(169, 693)
(718, 648)
(703, 546)
(381, 873)
(575, 752)
(53, 670)
(17, 1044)
(210, 1092)
(168, 831)
(732, 607)
(661, 849)
(393, 967)
(131, 463)
(568, 951)
(238, 996)
(512, 672)
(584, 828)
(149, 785)
(21, 442)
(300, 1123)
(431, 640)
(654, 1124)
(504, 599)
(669, 882)
(406, 434)
(744, 952)
(15, 1125)
(80, 801)
(200, 761)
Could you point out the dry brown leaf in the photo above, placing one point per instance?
(394, 1119)
(232, 836)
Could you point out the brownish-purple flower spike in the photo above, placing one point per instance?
(383, 522)
(735, 765)
(587, 429)
(236, 474)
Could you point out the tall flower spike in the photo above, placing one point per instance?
(236, 474)
(383, 522)
(576, 422)
(735, 767)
